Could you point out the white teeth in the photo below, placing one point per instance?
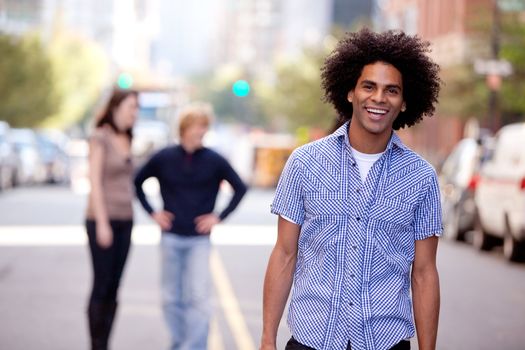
(376, 111)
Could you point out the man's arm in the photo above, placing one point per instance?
(278, 280)
(239, 189)
(144, 173)
(161, 217)
(204, 223)
(97, 153)
(425, 292)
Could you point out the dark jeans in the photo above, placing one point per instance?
(108, 263)
(295, 345)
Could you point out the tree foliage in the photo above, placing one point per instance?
(513, 50)
(291, 99)
(466, 94)
(52, 85)
(295, 99)
(216, 88)
(27, 92)
(80, 71)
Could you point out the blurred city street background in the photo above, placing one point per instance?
(258, 63)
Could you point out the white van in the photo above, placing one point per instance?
(500, 195)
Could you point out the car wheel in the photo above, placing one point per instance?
(512, 249)
(15, 181)
(480, 239)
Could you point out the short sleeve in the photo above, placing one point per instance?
(99, 136)
(428, 218)
(288, 201)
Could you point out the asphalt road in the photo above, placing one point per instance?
(45, 276)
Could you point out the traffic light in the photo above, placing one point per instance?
(241, 88)
(125, 81)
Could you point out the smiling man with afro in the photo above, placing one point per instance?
(406, 53)
(359, 212)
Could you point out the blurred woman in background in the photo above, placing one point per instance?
(109, 217)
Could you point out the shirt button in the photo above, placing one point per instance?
(358, 218)
(352, 275)
(351, 304)
(358, 190)
(353, 164)
(354, 247)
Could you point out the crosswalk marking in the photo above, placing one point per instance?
(149, 234)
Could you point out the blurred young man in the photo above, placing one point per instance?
(189, 176)
(359, 212)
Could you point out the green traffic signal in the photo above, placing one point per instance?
(241, 88)
(125, 81)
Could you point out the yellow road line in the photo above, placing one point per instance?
(230, 305)
(215, 339)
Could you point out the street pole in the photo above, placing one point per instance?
(494, 113)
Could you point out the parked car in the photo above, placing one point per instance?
(500, 195)
(458, 179)
(31, 169)
(78, 150)
(8, 158)
(54, 158)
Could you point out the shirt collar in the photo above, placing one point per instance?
(183, 151)
(342, 131)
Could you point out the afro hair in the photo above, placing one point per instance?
(421, 82)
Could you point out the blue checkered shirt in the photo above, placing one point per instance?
(356, 244)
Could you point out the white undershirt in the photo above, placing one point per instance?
(365, 161)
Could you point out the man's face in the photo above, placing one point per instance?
(377, 99)
(194, 134)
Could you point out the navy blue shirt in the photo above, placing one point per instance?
(189, 184)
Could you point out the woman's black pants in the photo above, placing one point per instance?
(108, 265)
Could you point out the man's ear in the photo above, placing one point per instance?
(403, 107)
(350, 96)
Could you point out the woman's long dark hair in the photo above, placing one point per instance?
(107, 116)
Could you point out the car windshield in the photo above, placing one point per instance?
(462, 162)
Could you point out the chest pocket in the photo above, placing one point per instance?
(317, 183)
(395, 212)
(326, 203)
(390, 224)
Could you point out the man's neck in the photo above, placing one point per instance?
(367, 142)
(189, 148)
